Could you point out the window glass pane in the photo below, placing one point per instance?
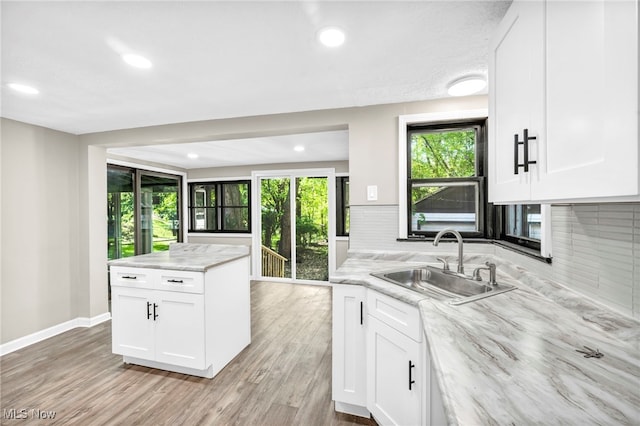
(439, 205)
(523, 221)
(443, 154)
(235, 194)
(342, 206)
(159, 209)
(120, 213)
(235, 218)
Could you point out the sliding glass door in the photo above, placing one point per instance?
(294, 225)
(159, 211)
(143, 211)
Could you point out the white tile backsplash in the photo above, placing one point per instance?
(596, 248)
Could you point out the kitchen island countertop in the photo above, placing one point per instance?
(512, 358)
(185, 257)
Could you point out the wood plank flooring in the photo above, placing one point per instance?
(282, 378)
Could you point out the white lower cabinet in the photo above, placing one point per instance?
(159, 326)
(381, 363)
(397, 387)
(349, 385)
(395, 366)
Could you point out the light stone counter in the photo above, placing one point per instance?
(186, 257)
(511, 358)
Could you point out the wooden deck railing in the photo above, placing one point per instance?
(272, 263)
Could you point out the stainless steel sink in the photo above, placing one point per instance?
(457, 288)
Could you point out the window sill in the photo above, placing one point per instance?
(219, 234)
(534, 254)
(504, 244)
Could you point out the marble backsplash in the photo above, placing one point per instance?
(596, 248)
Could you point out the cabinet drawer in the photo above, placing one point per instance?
(132, 277)
(401, 316)
(182, 281)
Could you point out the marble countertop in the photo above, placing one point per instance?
(511, 358)
(186, 257)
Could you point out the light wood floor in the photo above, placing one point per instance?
(282, 378)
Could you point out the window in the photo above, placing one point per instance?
(342, 206)
(522, 225)
(445, 171)
(220, 206)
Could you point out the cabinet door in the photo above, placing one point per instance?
(592, 101)
(393, 362)
(132, 328)
(349, 349)
(180, 334)
(516, 101)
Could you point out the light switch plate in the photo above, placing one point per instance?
(372, 192)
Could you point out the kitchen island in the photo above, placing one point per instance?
(185, 310)
(513, 358)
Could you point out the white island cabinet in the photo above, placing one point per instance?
(192, 320)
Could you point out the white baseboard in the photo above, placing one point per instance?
(41, 335)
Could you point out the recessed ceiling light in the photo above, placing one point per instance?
(23, 88)
(192, 155)
(298, 148)
(331, 36)
(136, 61)
(467, 86)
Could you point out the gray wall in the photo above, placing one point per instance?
(53, 218)
(46, 256)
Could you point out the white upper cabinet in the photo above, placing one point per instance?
(568, 73)
(516, 98)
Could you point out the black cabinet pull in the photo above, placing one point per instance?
(361, 314)
(155, 315)
(129, 277)
(411, 381)
(175, 281)
(525, 152)
(148, 312)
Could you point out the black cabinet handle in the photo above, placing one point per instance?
(148, 312)
(129, 277)
(411, 381)
(175, 281)
(361, 313)
(525, 151)
(155, 315)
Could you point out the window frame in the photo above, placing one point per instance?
(342, 205)
(478, 180)
(219, 208)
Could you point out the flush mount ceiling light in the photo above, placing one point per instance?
(136, 61)
(331, 36)
(298, 148)
(23, 88)
(466, 86)
(192, 155)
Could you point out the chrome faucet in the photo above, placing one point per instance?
(459, 238)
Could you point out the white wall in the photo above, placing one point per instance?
(40, 231)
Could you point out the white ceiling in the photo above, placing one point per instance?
(215, 59)
(321, 146)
